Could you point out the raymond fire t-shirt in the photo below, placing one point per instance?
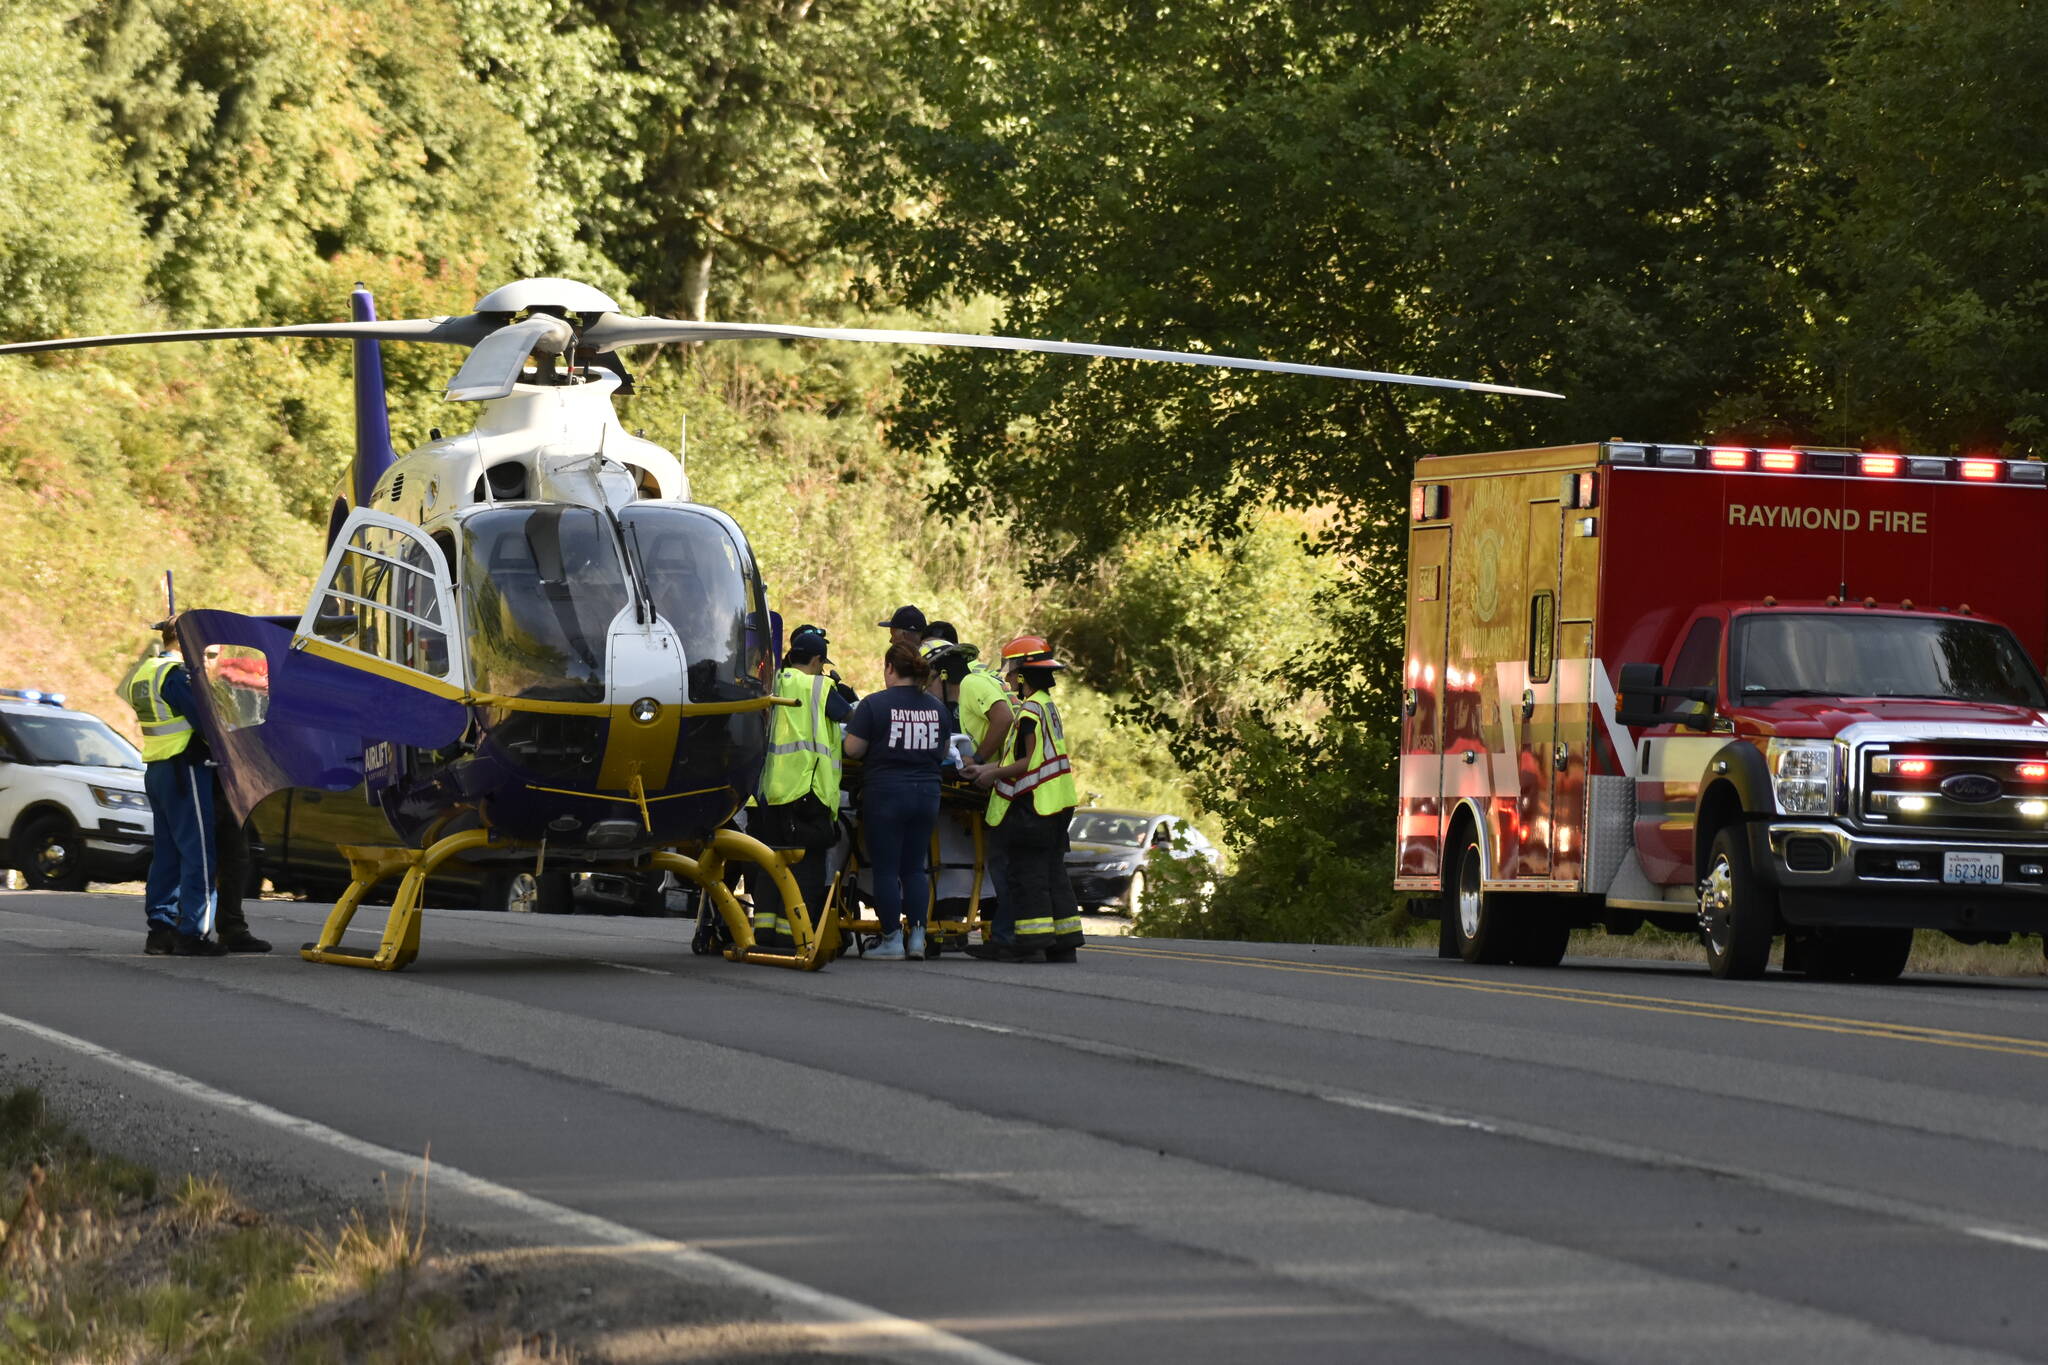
(905, 728)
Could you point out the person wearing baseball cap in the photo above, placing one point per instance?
(906, 627)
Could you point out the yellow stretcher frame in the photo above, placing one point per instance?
(400, 943)
(836, 913)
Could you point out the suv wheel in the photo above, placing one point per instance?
(1738, 913)
(51, 853)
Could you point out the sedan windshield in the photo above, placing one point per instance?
(1101, 827)
(1839, 654)
(60, 738)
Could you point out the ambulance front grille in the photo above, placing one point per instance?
(1978, 788)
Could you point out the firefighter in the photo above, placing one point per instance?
(1031, 804)
(178, 898)
(799, 805)
(906, 627)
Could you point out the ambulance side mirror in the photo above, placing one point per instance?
(1642, 688)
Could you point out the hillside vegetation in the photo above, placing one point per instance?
(1736, 220)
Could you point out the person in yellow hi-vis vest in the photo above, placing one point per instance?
(799, 800)
(1031, 804)
(178, 897)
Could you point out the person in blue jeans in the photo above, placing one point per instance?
(900, 735)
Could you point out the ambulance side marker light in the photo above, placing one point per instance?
(1884, 466)
(1779, 461)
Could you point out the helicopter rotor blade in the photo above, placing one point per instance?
(499, 359)
(454, 331)
(615, 330)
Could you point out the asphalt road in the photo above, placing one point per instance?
(1171, 1152)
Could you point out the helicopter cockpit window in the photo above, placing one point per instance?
(541, 588)
(382, 601)
(704, 585)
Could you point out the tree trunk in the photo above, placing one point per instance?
(696, 282)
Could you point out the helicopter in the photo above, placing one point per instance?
(526, 641)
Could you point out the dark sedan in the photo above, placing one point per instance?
(1109, 848)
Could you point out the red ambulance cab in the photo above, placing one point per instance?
(1740, 692)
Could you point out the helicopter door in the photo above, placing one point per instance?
(385, 593)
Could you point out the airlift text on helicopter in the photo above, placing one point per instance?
(526, 642)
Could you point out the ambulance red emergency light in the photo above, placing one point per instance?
(1739, 692)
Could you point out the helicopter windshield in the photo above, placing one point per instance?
(703, 584)
(541, 586)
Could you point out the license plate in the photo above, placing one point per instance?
(1973, 869)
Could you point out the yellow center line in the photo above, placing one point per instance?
(1647, 1004)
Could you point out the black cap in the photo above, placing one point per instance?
(941, 630)
(906, 618)
(807, 641)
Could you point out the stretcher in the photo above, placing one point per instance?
(959, 860)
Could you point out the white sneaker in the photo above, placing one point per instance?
(890, 948)
(913, 942)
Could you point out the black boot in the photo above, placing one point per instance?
(1004, 952)
(196, 945)
(243, 941)
(160, 942)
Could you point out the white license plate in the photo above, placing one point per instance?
(1973, 869)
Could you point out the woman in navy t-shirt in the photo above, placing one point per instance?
(899, 734)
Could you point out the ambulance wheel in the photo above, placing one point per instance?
(1479, 926)
(51, 854)
(1876, 954)
(1738, 913)
(1541, 933)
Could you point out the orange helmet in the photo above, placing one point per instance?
(1029, 651)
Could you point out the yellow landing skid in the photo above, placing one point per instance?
(401, 941)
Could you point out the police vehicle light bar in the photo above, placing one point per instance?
(32, 694)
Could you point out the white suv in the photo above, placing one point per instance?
(72, 807)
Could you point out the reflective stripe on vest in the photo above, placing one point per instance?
(1050, 778)
(165, 733)
(803, 748)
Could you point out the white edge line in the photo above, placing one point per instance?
(872, 1330)
(2017, 1239)
(1408, 1112)
(959, 1023)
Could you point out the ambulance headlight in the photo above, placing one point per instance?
(1802, 775)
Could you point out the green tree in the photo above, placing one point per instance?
(683, 133)
(1925, 151)
(71, 251)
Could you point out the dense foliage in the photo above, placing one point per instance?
(1696, 218)
(1819, 222)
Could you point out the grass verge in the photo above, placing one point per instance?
(101, 1261)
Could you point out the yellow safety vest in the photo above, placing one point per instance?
(803, 746)
(165, 733)
(1050, 778)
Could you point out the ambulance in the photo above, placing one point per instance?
(1749, 694)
